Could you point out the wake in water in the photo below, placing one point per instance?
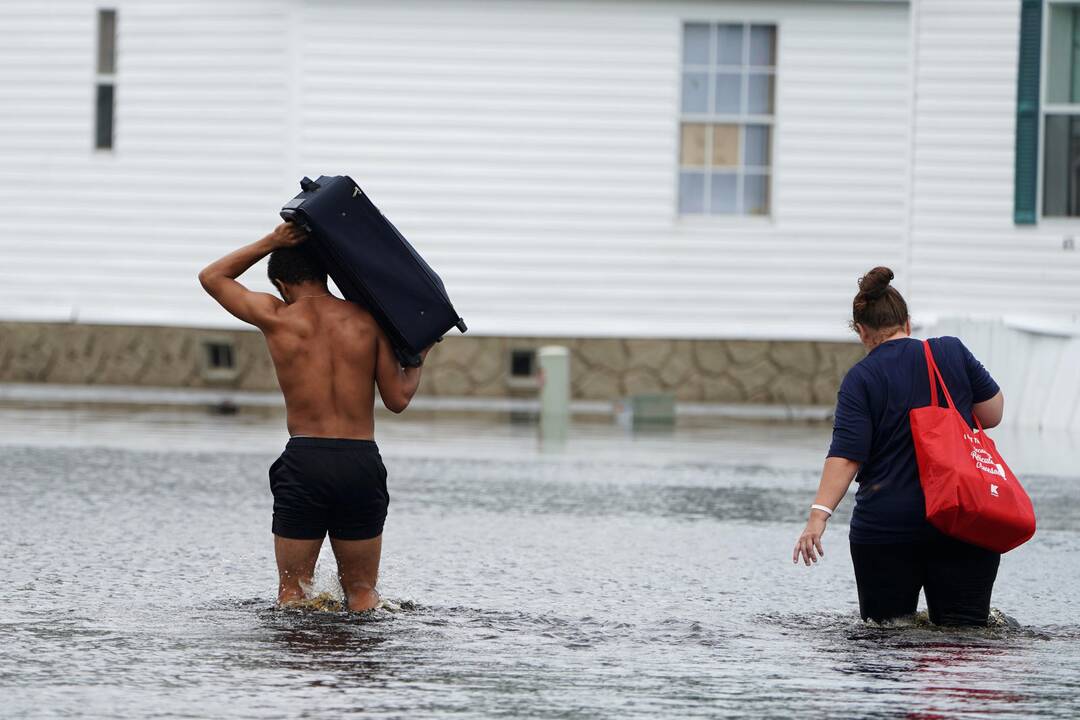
(999, 625)
(325, 594)
(996, 621)
(329, 602)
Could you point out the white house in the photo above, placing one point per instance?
(574, 169)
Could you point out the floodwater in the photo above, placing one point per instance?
(619, 577)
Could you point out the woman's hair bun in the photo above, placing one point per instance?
(878, 305)
(874, 283)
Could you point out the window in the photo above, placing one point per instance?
(522, 363)
(726, 123)
(106, 80)
(219, 360)
(1061, 112)
(219, 355)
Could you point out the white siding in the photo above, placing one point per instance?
(202, 97)
(967, 255)
(527, 148)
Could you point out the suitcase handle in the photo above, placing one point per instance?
(289, 214)
(408, 359)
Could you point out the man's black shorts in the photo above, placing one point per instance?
(329, 485)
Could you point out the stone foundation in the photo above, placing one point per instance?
(130, 355)
(720, 371)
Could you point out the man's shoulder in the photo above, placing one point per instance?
(343, 318)
(353, 313)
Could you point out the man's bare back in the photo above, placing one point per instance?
(329, 356)
(324, 351)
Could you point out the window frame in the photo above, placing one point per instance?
(1048, 108)
(741, 121)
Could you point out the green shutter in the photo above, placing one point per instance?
(1027, 114)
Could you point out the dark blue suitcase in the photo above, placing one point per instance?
(373, 264)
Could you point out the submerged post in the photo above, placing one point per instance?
(554, 364)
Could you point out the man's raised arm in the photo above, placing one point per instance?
(219, 277)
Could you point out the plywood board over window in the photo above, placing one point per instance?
(727, 116)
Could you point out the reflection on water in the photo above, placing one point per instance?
(615, 579)
(341, 648)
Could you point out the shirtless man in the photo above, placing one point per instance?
(329, 355)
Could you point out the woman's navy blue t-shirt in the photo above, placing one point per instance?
(872, 428)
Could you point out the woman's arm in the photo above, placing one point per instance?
(836, 478)
(990, 409)
(989, 412)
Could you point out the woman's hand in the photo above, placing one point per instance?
(836, 478)
(809, 543)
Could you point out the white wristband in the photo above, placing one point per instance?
(822, 508)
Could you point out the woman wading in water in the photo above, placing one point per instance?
(894, 550)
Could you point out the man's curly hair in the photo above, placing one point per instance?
(295, 264)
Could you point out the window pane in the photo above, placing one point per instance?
(728, 94)
(725, 146)
(756, 194)
(1063, 55)
(729, 45)
(692, 151)
(104, 121)
(756, 151)
(691, 193)
(762, 45)
(695, 92)
(760, 95)
(723, 193)
(1061, 166)
(106, 42)
(695, 45)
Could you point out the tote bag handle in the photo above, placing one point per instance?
(933, 370)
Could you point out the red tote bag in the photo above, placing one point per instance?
(971, 494)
